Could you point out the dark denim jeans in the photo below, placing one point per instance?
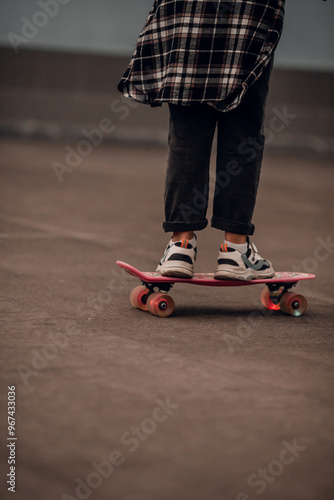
(240, 144)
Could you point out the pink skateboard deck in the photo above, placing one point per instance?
(275, 296)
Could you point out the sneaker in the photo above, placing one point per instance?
(179, 259)
(242, 266)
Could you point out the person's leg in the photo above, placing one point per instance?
(187, 181)
(239, 159)
(187, 185)
(240, 147)
(180, 235)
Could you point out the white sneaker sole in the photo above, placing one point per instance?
(230, 275)
(265, 276)
(247, 276)
(175, 271)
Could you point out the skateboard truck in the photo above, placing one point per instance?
(277, 296)
(163, 287)
(158, 303)
(278, 290)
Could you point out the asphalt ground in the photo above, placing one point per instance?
(223, 400)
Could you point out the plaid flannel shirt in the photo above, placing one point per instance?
(199, 51)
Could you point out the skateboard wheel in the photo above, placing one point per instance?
(267, 302)
(138, 297)
(293, 304)
(160, 304)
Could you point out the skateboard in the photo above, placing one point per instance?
(153, 296)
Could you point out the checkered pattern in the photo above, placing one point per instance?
(199, 51)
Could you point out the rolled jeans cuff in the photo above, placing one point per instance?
(185, 226)
(233, 227)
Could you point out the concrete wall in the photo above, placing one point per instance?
(58, 94)
(64, 78)
(112, 26)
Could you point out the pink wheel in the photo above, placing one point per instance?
(293, 304)
(160, 304)
(138, 297)
(267, 302)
